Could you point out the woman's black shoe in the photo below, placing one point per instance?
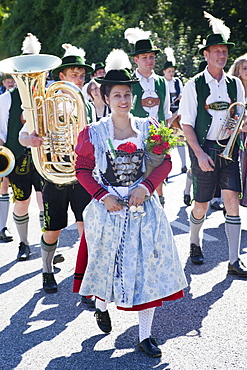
(149, 346)
(103, 320)
(49, 283)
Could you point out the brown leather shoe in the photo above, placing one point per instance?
(237, 268)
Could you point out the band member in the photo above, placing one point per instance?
(151, 95)
(8, 83)
(203, 108)
(132, 257)
(24, 175)
(57, 198)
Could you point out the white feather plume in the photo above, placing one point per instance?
(31, 45)
(73, 50)
(218, 26)
(117, 59)
(170, 55)
(135, 34)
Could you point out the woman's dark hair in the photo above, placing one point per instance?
(105, 90)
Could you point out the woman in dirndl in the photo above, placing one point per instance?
(132, 257)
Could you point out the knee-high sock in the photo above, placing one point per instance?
(41, 219)
(4, 210)
(195, 227)
(233, 233)
(145, 323)
(181, 152)
(47, 254)
(22, 227)
(188, 183)
(101, 305)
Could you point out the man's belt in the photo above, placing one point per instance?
(150, 102)
(219, 105)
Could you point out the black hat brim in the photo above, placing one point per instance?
(101, 80)
(137, 52)
(56, 71)
(230, 45)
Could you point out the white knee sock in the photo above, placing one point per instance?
(22, 227)
(188, 183)
(181, 152)
(145, 323)
(101, 305)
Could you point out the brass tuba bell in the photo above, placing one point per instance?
(57, 114)
(230, 128)
(7, 161)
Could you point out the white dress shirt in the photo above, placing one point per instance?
(218, 93)
(5, 104)
(148, 85)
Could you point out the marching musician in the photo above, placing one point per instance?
(24, 175)
(151, 94)
(57, 198)
(203, 107)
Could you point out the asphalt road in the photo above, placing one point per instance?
(207, 329)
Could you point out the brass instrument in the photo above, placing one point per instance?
(230, 128)
(57, 114)
(7, 161)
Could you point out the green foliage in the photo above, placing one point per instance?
(160, 139)
(98, 27)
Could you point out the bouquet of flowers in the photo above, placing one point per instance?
(159, 142)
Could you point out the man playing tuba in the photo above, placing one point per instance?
(57, 198)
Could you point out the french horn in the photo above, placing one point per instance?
(230, 128)
(57, 114)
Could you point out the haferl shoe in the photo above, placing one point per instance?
(184, 169)
(187, 199)
(237, 268)
(103, 320)
(24, 252)
(88, 301)
(217, 206)
(49, 282)
(196, 255)
(149, 346)
(5, 235)
(59, 258)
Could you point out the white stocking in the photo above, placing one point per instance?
(101, 305)
(145, 323)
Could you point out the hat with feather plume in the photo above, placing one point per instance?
(140, 38)
(73, 57)
(30, 45)
(117, 67)
(170, 61)
(220, 35)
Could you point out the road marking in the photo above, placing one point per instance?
(186, 228)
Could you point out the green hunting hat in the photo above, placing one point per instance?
(117, 77)
(71, 61)
(216, 39)
(143, 47)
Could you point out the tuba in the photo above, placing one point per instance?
(230, 128)
(57, 114)
(7, 161)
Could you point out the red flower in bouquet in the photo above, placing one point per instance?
(158, 149)
(128, 147)
(160, 139)
(157, 138)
